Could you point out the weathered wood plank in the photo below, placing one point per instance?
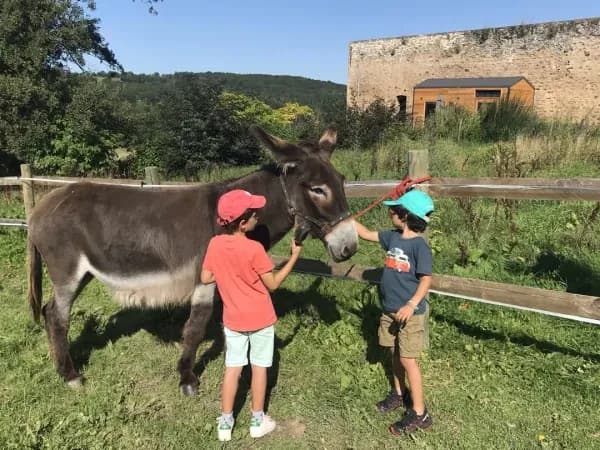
(562, 303)
(152, 175)
(28, 189)
(566, 182)
(506, 188)
(10, 181)
(19, 223)
(54, 181)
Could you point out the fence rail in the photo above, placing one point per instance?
(10, 181)
(584, 308)
(19, 223)
(493, 188)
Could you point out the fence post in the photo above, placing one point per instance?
(418, 166)
(152, 176)
(28, 193)
(418, 163)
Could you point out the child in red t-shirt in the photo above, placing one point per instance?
(244, 275)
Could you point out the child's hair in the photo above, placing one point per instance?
(233, 226)
(413, 222)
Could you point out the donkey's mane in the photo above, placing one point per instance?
(270, 167)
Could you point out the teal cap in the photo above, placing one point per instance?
(417, 202)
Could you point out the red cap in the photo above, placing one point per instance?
(232, 205)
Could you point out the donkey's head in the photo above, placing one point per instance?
(314, 191)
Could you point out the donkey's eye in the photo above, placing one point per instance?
(317, 190)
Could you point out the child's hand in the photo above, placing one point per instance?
(404, 313)
(295, 248)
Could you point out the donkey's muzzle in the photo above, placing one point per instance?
(301, 234)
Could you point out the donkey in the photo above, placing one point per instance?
(147, 245)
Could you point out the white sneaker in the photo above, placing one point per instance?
(259, 429)
(224, 428)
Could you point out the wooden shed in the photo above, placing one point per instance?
(470, 93)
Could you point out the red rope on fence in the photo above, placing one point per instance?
(401, 188)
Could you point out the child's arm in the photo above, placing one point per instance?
(207, 277)
(408, 310)
(206, 274)
(273, 281)
(365, 233)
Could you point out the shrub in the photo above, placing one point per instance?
(362, 128)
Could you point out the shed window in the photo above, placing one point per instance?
(487, 93)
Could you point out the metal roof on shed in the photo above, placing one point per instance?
(487, 82)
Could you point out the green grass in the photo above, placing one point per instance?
(494, 377)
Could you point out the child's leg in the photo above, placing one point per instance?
(260, 424)
(236, 357)
(398, 372)
(229, 389)
(258, 387)
(417, 417)
(411, 342)
(398, 395)
(262, 345)
(411, 366)
(387, 332)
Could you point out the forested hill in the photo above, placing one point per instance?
(275, 90)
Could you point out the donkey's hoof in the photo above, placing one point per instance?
(75, 383)
(189, 389)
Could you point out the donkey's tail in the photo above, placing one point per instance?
(35, 279)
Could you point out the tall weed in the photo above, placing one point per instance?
(506, 119)
(454, 122)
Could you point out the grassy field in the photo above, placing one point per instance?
(494, 377)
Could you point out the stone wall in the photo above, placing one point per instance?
(560, 59)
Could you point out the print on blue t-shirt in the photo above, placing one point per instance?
(404, 260)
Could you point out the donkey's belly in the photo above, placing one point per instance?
(150, 289)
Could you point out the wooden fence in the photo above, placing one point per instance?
(573, 306)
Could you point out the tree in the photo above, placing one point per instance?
(151, 9)
(196, 130)
(93, 126)
(150, 3)
(39, 41)
(291, 121)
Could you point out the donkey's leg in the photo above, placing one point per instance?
(56, 320)
(193, 333)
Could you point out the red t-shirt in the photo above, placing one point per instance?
(237, 263)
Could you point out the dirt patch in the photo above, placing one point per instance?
(292, 427)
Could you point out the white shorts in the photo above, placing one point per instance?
(261, 343)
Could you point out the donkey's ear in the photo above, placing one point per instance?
(283, 152)
(328, 140)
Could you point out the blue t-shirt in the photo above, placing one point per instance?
(404, 260)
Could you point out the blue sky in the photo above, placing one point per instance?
(307, 38)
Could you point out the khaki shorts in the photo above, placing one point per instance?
(411, 339)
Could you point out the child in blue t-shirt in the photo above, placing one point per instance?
(405, 282)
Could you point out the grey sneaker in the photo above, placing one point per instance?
(412, 422)
(224, 428)
(394, 401)
(258, 428)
